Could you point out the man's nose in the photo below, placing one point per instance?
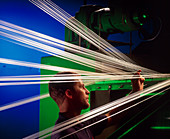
(87, 91)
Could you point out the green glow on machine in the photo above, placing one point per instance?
(142, 120)
(130, 129)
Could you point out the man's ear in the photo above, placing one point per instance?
(68, 94)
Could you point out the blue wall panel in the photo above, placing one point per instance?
(22, 121)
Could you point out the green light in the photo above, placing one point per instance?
(141, 24)
(134, 126)
(126, 132)
(135, 18)
(161, 127)
(152, 94)
(144, 16)
(125, 21)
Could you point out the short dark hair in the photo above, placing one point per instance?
(57, 90)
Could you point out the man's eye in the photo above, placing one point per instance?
(82, 86)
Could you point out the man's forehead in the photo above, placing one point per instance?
(79, 81)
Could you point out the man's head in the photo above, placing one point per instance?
(72, 92)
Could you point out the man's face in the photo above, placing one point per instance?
(81, 95)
